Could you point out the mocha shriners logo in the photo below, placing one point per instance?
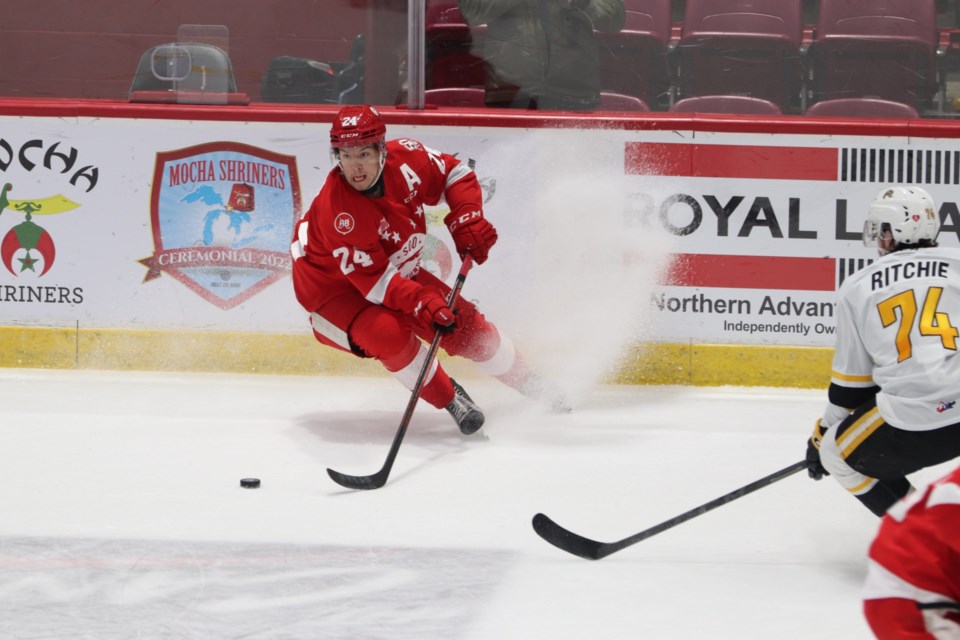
(223, 215)
(27, 246)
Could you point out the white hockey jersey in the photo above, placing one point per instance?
(898, 327)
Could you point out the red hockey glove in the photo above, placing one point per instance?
(432, 309)
(815, 468)
(472, 234)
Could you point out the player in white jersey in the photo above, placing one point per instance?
(895, 385)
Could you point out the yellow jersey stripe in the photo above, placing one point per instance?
(850, 378)
(860, 431)
(855, 427)
(862, 486)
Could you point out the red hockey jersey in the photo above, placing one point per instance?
(349, 241)
(918, 549)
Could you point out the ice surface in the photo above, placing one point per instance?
(121, 514)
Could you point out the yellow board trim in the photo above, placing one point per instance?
(242, 352)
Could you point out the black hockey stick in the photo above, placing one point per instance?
(379, 479)
(594, 550)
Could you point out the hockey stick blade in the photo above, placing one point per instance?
(568, 540)
(595, 550)
(374, 481)
(378, 479)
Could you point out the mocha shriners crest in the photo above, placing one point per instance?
(223, 215)
(26, 237)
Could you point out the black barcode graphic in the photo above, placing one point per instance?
(913, 166)
(846, 267)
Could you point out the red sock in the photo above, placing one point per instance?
(438, 391)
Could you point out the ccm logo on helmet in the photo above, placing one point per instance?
(343, 223)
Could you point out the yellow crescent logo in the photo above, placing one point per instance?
(44, 206)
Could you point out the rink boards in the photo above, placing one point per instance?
(722, 240)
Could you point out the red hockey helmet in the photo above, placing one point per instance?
(357, 126)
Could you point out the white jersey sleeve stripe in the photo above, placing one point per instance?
(882, 583)
(458, 173)
(378, 292)
(859, 431)
(944, 494)
(330, 331)
(863, 487)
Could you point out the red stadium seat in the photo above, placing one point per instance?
(453, 49)
(877, 49)
(726, 104)
(863, 108)
(619, 102)
(739, 47)
(634, 61)
(454, 97)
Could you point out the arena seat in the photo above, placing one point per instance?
(726, 104)
(883, 49)
(453, 49)
(634, 60)
(610, 101)
(185, 72)
(732, 47)
(350, 76)
(454, 96)
(473, 97)
(863, 108)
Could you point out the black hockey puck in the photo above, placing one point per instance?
(249, 483)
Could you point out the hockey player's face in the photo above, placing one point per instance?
(360, 165)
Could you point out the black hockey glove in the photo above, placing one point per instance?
(814, 467)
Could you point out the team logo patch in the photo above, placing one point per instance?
(344, 223)
(223, 214)
(945, 406)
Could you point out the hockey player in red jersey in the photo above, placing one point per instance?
(357, 266)
(912, 590)
(895, 382)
